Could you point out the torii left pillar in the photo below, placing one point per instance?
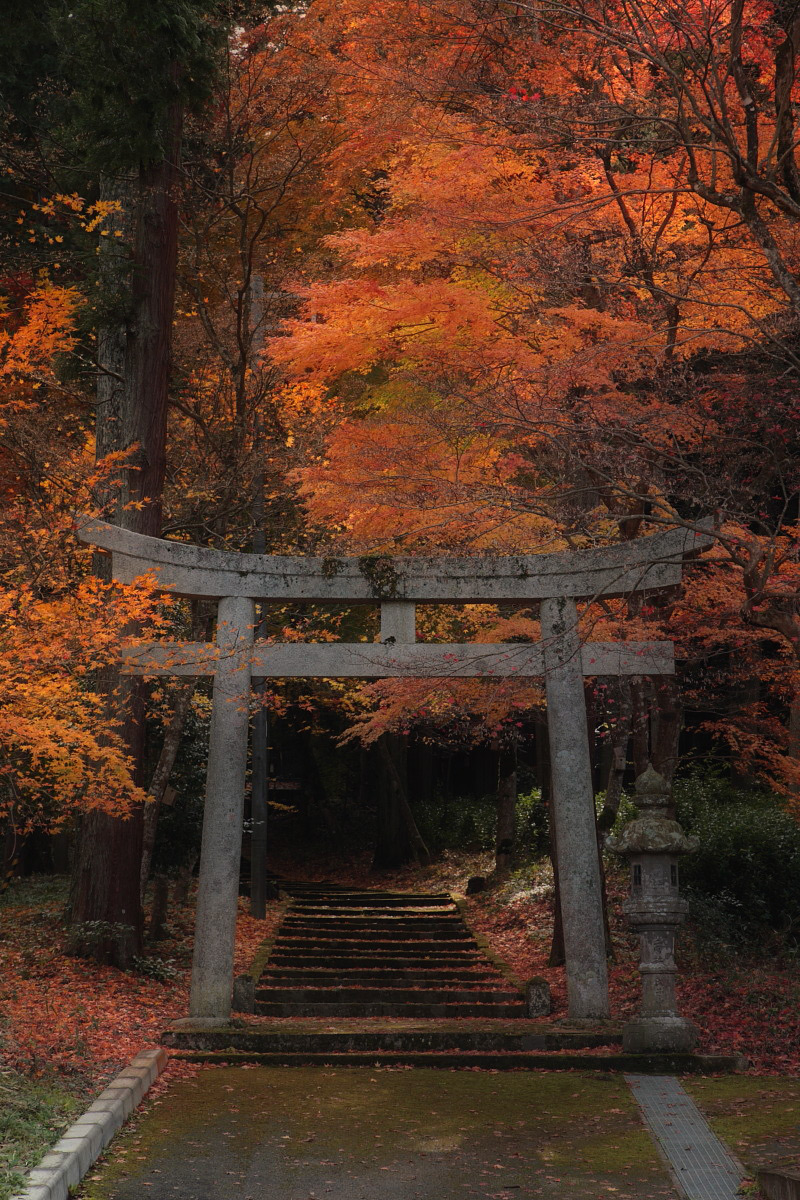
(218, 890)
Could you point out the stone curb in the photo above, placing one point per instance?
(63, 1167)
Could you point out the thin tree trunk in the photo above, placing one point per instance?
(619, 757)
(505, 845)
(158, 915)
(183, 882)
(161, 775)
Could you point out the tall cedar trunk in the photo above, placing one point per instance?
(506, 810)
(421, 765)
(131, 412)
(604, 896)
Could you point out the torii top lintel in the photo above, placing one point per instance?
(188, 570)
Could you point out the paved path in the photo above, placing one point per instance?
(304, 1133)
(703, 1167)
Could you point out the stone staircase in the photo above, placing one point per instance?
(371, 978)
(347, 953)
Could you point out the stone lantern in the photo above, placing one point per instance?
(654, 909)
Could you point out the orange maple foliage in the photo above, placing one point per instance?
(60, 627)
(567, 208)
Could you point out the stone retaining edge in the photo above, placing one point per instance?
(63, 1167)
(779, 1183)
(483, 944)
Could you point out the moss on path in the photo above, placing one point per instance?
(758, 1117)
(346, 1134)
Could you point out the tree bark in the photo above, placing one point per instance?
(161, 775)
(505, 845)
(619, 757)
(134, 352)
(158, 915)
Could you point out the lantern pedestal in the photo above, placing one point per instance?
(655, 910)
(659, 1035)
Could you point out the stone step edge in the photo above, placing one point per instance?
(64, 1166)
(328, 1041)
(642, 1064)
(395, 962)
(286, 1010)
(290, 942)
(279, 993)
(407, 978)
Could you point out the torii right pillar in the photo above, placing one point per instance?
(573, 810)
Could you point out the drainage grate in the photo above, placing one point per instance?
(701, 1165)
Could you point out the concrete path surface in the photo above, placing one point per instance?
(308, 1133)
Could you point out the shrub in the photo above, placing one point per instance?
(470, 823)
(462, 823)
(745, 876)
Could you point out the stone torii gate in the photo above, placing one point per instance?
(397, 584)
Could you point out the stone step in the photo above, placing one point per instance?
(282, 1035)
(375, 914)
(376, 961)
(634, 1064)
(395, 945)
(348, 921)
(394, 918)
(297, 975)
(387, 1009)
(335, 889)
(366, 944)
(416, 900)
(345, 954)
(385, 903)
(387, 927)
(269, 992)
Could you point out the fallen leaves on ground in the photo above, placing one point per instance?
(79, 1018)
